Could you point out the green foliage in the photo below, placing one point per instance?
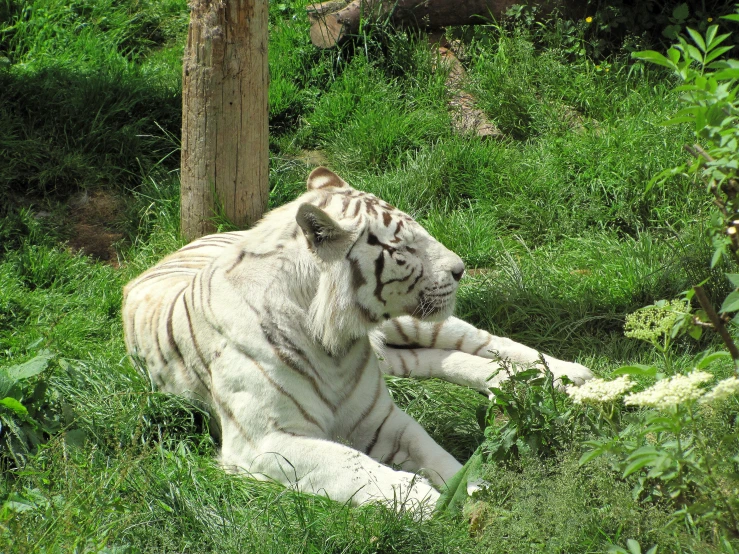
(670, 442)
(709, 105)
(454, 495)
(601, 30)
(554, 505)
(536, 417)
(25, 416)
(657, 20)
(446, 411)
(667, 449)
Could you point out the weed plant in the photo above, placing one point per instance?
(554, 221)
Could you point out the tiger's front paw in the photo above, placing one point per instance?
(476, 485)
(577, 373)
(415, 496)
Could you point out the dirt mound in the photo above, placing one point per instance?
(94, 216)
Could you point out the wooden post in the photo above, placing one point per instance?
(225, 157)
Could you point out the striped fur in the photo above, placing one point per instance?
(285, 330)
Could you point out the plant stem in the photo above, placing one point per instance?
(705, 303)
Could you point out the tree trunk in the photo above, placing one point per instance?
(225, 158)
(330, 25)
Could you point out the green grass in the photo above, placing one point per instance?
(553, 216)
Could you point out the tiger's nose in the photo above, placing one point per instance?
(458, 271)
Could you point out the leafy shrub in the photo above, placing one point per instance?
(536, 417)
(597, 30)
(26, 419)
(667, 445)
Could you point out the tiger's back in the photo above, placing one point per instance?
(149, 303)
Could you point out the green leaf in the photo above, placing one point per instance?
(681, 12)
(660, 424)
(726, 74)
(654, 57)
(708, 359)
(636, 465)
(17, 503)
(590, 455)
(672, 31)
(715, 40)
(643, 451)
(731, 302)
(733, 279)
(697, 38)
(14, 405)
(455, 493)
(710, 35)
(75, 438)
(694, 53)
(717, 255)
(634, 547)
(731, 17)
(695, 332)
(165, 507)
(716, 53)
(663, 175)
(481, 414)
(525, 375)
(637, 369)
(678, 121)
(39, 391)
(32, 367)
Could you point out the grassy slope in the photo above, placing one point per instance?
(555, 215)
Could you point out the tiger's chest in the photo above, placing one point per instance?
(338, 391)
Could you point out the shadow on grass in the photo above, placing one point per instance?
(571, 300)
(62, 130)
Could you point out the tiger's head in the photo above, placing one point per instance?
(376, 262)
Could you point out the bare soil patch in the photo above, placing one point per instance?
(95, 217)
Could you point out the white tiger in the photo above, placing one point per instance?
(271, 327)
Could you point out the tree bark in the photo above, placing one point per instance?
(225, 157)
(329, 26)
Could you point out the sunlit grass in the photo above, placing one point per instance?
(552, 219)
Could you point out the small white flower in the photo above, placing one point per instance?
(599, 391)
(723, 389)
(670, 392)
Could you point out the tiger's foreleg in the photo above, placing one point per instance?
(456, 335)
(456, 367)
(402, 442)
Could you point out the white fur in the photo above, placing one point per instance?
(280, 329)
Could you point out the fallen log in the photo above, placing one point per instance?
(332, 22)
(466, 116)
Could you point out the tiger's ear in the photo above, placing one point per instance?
(325, 237)
(322, 178)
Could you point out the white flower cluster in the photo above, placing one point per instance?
(723, 389)
(670, 392)
(599, 391)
